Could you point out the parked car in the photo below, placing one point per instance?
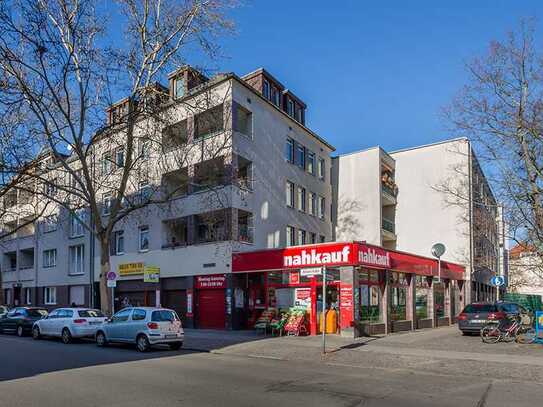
(19, 320)
(143, 326)
(69, 323)
(476, 315)
(3, 311)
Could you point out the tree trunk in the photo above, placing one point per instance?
(105, 293)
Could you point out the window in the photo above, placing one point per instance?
(118, 242)
(138, 315)
(76, 223)
(28, 296)
(106, 203)
(174, 136)
(291, 236)
(77, 297)
(7, 296)
(311, 162)
(312, 238)
(50, 258)
(299, 114)
(302, 236)
(242, 120)
(179, 89)
(50, 188)
(50, 223)
(300, 156)
(322, 207)
(164, 316)
(209, 122)
(76, 259)
(106, 163)
(50, 295)
(144, 238)
(145, 191)
(144, 148)
(313, 204)
(77, 175)
(290, 194)
(266, 89)
(275, 98)
(121, 316)
(301, 199)
(119, 157)
(290, 107)
(321, 168)
(289, 150)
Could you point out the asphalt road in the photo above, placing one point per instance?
(48, 373)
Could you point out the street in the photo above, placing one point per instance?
(399, 370)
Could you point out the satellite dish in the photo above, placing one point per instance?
(438, 250)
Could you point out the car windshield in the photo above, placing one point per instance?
(163, 316)
(90, 313)
(37, 312)
(471, 308)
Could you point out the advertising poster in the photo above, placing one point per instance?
(302, 297)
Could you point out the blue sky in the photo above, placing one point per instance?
(371, 73)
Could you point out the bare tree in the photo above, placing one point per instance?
(61, 70)
(500, 110)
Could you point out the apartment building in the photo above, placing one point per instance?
(410, 199)
(251, 176)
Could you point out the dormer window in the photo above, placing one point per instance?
(266, 89)
(179, 88)
(275, 96)
(290, 107)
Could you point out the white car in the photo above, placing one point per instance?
(69, 323)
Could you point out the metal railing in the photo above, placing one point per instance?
(389, 190)
(388, 225)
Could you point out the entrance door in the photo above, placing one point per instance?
(211, 309)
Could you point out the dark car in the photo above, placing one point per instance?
(476, 315)
(20, 320)
(3, 311)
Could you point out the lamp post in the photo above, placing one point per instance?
(438, 250)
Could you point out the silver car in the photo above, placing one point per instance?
(143, 326)
(68, 323)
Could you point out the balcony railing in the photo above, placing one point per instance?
(389, 190)
(388, 225)
(245, 233)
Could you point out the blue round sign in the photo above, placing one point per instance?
(497, 281)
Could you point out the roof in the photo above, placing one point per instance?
(520, 249)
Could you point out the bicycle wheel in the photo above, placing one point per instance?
(490, 334)
(526, 336)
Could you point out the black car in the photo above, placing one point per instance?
(476, 315)
(20, 320)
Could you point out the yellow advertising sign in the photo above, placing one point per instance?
(151, 274)
(131, 269)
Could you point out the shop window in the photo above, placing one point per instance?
(398, 296)
(421, 297)
(439, 300)
(370, 294)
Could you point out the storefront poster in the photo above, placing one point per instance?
(294, 277)
(189, 302)
(346, 305)
(302, 297)
(131, 269)
(239, 298)
(229, 301)
(151, 274)
(211, 281)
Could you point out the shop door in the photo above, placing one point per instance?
(176, 300)
(211, 309)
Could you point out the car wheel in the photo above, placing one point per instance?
(66, 336)
(101, 339)
(20, 331)
(142, 343)
(176, 345)
(36, 333)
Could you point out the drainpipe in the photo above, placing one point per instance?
(470, 203)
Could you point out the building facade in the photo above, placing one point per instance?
(257, 178)
(411, 199)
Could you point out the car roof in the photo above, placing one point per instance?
(148, 308)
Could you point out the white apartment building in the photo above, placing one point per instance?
(410, 199)
(280, 195)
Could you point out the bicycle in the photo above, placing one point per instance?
(495, 332)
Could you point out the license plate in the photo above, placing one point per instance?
(478, 321)
(170, 336)
(94, 322)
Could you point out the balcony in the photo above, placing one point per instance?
(175, 233)
(388, 187)
(245, 227)
(388, 226)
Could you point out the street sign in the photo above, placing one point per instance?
(497, 281)
(112, 283)
(312, 271)
(111, 275)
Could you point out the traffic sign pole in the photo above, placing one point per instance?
(323, 325)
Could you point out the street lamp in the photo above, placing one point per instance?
(438, 250)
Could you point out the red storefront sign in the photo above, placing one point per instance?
(294, 277)
(374, 256)
(345, 305)
(210, 281)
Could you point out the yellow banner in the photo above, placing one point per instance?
(130, 269)
(151, 274)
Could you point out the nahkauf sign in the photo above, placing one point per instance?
(374, 256)
(332, 255)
